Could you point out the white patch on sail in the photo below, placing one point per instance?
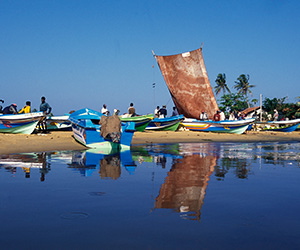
(186, 54)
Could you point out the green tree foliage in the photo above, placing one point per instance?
(286, 110)
(233, 101)
(221, 84)
(243, 86)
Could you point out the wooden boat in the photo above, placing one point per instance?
(226, 126)
(165, 124)
(58, 123)
(281, 126)
(141, 121)
(19, 123)
(86, 129)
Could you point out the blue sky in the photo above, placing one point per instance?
(85, 53)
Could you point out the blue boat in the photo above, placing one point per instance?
(282, 126)
(19, 123)
(165, 124)
(87, 130)
(226, 126)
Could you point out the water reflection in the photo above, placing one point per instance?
(184, 187)
(25, 163)
(189, 167)
(108, 166)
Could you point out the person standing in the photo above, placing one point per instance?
(217, 116)
(222, 116)
(26, 109)
(156, 115)
(104, 110)
(276, 115)
(163, 112)
(203, 116)
(46, 109)
(131, 110)
(175, 112)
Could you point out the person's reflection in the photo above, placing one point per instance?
(110, 167)
(184, 187)
(26, 171)
(160, 160)
(42, 158)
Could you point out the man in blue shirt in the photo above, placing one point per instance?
(44, 107)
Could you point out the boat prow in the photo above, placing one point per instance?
(20, 123)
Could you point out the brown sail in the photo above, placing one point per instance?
(188, 83)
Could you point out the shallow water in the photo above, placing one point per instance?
(172, 196)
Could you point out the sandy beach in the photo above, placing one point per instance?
(63, 140)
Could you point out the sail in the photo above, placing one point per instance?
(188, 83)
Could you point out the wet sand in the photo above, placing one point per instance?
(58, 141)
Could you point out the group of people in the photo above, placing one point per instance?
(158, 112)
(44, 107)
(131, 110)
(162, 112)
(220, 116)
(12, 108)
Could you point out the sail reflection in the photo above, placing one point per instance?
(107, 165)
(185, 186)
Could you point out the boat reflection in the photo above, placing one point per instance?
(185, 186)
(26, 162)
(107, 165)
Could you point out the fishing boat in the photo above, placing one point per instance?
(19, 123)
(281, 126)
(141, 121)
(58, 123)
(165, 124)
(88, 131)
(226, 126)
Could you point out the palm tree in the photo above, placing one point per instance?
(243, 86)
(254, 101)
(221, 84)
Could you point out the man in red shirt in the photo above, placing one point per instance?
(217, 116)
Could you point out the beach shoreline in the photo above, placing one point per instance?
(64, 140)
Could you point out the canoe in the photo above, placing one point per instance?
(87, 130)
(141, 121)
(165, 124)
(281, 126)
(19, 123)
(58, 123)
(226, 126)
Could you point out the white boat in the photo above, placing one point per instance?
(19, 123)
(58, 123)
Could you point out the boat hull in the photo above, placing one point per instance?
(165, 124)
(231, 127)
(141, 122)
(20, 123)
(288, 128)
(282, 126)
